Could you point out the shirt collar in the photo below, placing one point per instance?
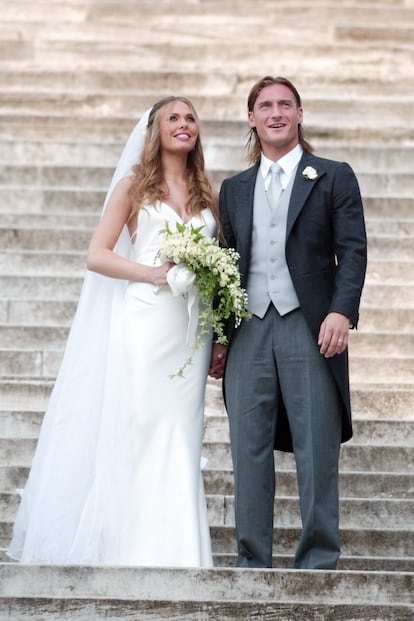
(287, 162)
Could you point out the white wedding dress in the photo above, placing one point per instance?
(116, 478)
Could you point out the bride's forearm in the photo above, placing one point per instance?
(109, 263)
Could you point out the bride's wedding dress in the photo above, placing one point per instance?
(116, 478)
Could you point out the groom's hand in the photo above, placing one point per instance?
(217, 361)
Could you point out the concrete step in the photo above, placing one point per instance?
(226, 594)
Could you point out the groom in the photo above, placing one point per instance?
(299, 229)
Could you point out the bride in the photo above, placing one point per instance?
(116, 477)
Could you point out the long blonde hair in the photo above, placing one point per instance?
(148, 185)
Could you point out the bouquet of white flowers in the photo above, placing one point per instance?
(217, 277)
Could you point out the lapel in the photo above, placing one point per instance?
(243, 200)
(302, 187)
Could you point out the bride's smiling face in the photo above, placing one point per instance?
(178, 127)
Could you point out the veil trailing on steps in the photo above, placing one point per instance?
(85, 427)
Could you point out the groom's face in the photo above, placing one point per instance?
(276, 117)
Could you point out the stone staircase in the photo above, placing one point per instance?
(74, 77)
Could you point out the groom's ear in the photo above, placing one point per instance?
(250, 118)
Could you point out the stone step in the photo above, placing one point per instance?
(28, 312)
(48, 200)
(65, 288)
(393, 371)
(375, 159)
(118, 24)
(319, 111)
(227, 594)
(335, 52)
(369, 402)
(346, 563)
(43, 263)
(36, 125)
(25, 424)
(60, 288)
(66, 220)
(392, 246)
(359, 542)
(40, 312)
(355, 457)
(77, 178)
(387, 296)
(354, 512)
(359, 484)
(375, 432)
(395, 321)
(64, 239)
(91, 609)
(396, 369)
(390, 227)
(30, 238)
(24, 262)
(391, 485)
(157, 82)
(15, 339)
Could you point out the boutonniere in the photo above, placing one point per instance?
(310, 173)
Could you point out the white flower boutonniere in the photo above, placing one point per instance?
(310, 173)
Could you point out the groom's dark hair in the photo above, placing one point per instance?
(253, 143)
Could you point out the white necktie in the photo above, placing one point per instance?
(275, 189)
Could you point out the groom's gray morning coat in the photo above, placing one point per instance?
(325, 252)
